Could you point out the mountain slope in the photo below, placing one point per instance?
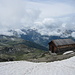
(12, 40)
(18, 49)
(34, 36)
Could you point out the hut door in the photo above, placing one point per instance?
(52, 49)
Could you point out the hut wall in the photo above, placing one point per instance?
(61, 49)
(61, 45)
(52, 47)
(66, 46)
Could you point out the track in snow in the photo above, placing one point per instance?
(65, 67)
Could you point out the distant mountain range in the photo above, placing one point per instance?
(26, 44)
(14, 48)
(43, 40)
(8, 41)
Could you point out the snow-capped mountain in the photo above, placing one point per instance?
(46, 17)
(34, 36)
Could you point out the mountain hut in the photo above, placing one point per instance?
(61, 45)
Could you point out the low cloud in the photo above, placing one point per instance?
(73, 34)
(46, 18)
(55, 26)
(14, 14)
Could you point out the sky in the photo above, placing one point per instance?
(47, 16)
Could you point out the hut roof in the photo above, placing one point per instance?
(59, 42)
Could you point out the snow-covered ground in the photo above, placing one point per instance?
(64, 67)
(69, 52)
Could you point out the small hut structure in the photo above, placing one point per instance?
(61, 45)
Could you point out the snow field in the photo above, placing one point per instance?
(64, 67)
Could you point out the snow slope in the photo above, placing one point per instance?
(64, 67)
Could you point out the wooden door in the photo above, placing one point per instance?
(52, 49)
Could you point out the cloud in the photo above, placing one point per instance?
(10, 13)
(14, 14)
(30, 17)
(5, 32)
(45, 17)
(73, 34)
(55, 26)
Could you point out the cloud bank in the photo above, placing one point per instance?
(50, 18)
(55, 26)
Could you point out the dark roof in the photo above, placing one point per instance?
(59, 42)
